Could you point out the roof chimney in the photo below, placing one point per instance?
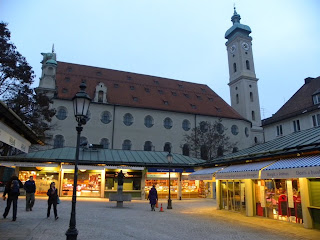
(308, 79)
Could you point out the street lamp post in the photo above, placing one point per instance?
(81, 103)
(169, 158)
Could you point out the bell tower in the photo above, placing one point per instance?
(243, 82)
(47, 82)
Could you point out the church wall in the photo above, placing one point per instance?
(137, 133)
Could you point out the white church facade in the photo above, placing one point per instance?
(133, 111)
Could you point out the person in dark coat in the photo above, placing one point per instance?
(153, 197)
(13, 193)
(30, 187)
(52, 200)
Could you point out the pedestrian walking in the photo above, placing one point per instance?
(52, 200)
(12, 188)
(153, 197)
(30, 187)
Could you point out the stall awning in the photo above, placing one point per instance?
(94, 167)
(242, 171)
(303, 167)
(204, 174)
(12, 138)
(27, 164)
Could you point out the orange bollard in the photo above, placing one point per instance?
(161, 209)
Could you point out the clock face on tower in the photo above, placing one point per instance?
(245, 46)
(232, 49)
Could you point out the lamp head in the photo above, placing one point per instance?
(81, 103)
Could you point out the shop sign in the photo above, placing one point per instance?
(180, 170)
(83, 167)
(161, 175)
(200, 176)
(189, 170)
(238, 175)
(305, 172)
(124, 167)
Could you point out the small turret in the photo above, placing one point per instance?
(47, 82)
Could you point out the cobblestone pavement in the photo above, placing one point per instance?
(189, 219)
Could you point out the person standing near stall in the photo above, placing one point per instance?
(30, 187)
(13, 190)
(153, 197)
(52, 200)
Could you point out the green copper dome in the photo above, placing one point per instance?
(51, 61)
(237, 26)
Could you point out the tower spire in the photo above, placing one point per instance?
(53, 48)
(236, 17)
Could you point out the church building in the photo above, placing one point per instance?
(132, 111)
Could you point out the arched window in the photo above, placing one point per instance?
(234, 67)
(237, 98)
(220, 151)
(167, 147)
(83, 141)
(105, 143)
(235, 149)
(58, 141)
(147, 146)
(253, 116)
(255, 140)
(251, 96)
(185, 150)
(204, 152)
(248, 65)
(126, 145)
(100, 96)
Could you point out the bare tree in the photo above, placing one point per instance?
(16, 78)
(208, 140)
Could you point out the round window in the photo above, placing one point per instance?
(148, 121)
(105, 117)
(246, 131)
(167, 123)
(220, 128)
(61, 113)
(203, 127)
(186, 125)
(234, 130)
(128, 119)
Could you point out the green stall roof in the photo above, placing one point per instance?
(106, 156)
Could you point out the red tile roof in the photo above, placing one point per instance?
(300, 102)
(151, 92)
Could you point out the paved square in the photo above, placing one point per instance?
(189, 219)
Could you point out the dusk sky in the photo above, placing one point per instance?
(178, 39)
